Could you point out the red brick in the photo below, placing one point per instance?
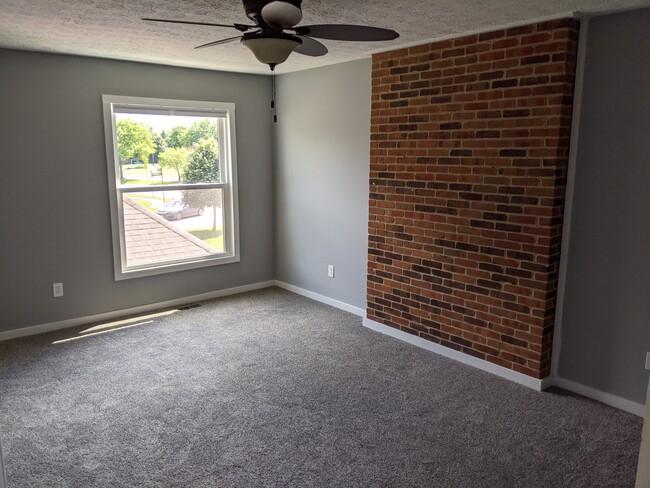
(469, 145)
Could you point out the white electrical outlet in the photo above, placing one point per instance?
(57, 289)
(330, 270)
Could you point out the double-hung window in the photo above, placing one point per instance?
(172, 184)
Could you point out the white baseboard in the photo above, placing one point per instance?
(321, 298)
(3, 479)
(506, 373)
(539, 385)
(547, 382)
(601, 396)
(536, 384)
(65, 324)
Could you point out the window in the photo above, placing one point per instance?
(172, 184)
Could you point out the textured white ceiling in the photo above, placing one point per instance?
(113, 29)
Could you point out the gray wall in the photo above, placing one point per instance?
(606, 321)
(55, 224)
(322, 162)
(54, 217)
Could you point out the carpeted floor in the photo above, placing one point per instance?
(272, 389)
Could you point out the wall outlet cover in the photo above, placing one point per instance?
(330, 270)
(57, 290)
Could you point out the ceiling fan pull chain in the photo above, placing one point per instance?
(275, 116)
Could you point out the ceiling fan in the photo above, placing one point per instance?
(276, 34)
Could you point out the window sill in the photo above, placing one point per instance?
(174, 267)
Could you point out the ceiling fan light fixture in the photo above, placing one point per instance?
(283, 14)
(271, 50)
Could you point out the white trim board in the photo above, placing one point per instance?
(569, 196)
(500, 371)
(3, 479)
(601, 396)
(607, 398)
(538, 385)
(65, 324)
(481, 364)
(74, 322)
(321, 298)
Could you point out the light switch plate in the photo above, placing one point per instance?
(647, 361)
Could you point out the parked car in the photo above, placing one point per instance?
(177, 210)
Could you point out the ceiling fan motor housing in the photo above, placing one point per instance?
(254, 8)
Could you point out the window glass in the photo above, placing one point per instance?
(172, 180)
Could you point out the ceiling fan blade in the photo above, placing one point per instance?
(346, 32)
(239, 27)
(216, 43)
(311, 47)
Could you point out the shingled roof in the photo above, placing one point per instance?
(151, 239)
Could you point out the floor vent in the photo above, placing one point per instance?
(191, 305)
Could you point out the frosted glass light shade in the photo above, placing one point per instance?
(271, 50)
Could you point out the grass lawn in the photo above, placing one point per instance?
(211, 237)
(126, 181)
(138, 175)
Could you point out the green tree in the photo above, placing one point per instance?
(176, 137)
(159, 144)
(134, 141)
(174, 158)
(202, 129)
(203, 167)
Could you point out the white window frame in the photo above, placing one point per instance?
(228, 165)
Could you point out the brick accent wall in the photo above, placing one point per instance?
(469, 151)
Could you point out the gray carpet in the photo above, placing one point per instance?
(272, 389)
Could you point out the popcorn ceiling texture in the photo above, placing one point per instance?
(113, 29)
